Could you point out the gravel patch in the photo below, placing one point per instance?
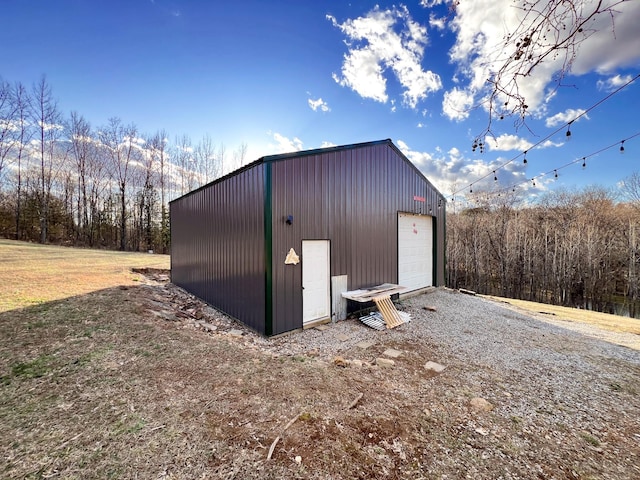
(551, 377)
(561, 396)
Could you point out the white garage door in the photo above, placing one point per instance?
(316, 293)
(415, 251)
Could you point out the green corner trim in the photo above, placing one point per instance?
(268, 252)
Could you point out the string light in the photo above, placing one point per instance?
(621, 149)
(495, 177)
(479, 144)
(525, 157)
(583, 160)
(470, 188)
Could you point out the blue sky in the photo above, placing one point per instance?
(288, 75)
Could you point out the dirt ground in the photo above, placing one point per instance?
(124, 382)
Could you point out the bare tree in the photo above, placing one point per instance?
(549, 31)
(7, 123)
(48, 122)
(239, 156)
(119, 143)
(221, 157)
(631, 189)
(148, 175)
(22, 135)
(207, 162)
(572, 248)
(183, 155)
(157, 146)
(80, 137)
(631, 192)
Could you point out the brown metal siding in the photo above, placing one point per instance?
(218, 253)
(350, 197)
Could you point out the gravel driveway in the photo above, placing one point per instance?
(522, 395)
(568, 388)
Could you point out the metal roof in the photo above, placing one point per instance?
(305, 153)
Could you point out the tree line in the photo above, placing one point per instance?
(64, 181)
(572, 248)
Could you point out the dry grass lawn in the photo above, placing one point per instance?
(606, 321)
(32, 274)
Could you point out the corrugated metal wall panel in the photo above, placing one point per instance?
(218, 254)
(352, 198)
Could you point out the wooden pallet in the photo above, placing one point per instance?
(388, 310)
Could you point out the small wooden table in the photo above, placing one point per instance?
(368, 294)
(381, 296)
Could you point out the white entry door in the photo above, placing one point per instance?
(316, 293)
(415, 251)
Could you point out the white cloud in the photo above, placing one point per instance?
(612, 83)
(457, 104)
(319, 104)
(9, 125)
(437, 22)
(387, 43)
(614, 44)
(549, 143)
(326, 144)
(361, 73)
(284, 144)
(480, 48)
(565, 117)
(452, 171)
(507, 143)
(376, 45)
(50, 126)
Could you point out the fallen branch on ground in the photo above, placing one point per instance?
(275, 442)
(355, 402)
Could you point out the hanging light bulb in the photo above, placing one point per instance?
(584, 162)
(495, 177)
(568, 134)
(471, 188)
(622, 146)
(533, 181)
(525, 157)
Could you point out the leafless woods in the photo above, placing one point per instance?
(571, 248)
(64, 181)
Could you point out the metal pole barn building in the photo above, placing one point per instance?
(355, 215)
